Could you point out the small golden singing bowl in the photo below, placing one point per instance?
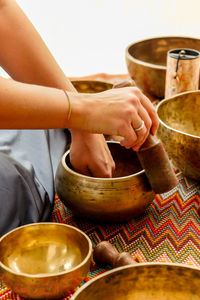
(179, 131)
(116, 199)
(91, 86)
(146, 61)
(151, 281)
(44, 260)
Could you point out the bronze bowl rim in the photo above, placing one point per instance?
(93, 179)
(144, 264)
(92, 81)
(44, 275)
(175, 97)
(147, 64)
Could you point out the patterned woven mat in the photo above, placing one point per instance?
(168, 231)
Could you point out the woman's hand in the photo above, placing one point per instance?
(118, 112)
(90, 155)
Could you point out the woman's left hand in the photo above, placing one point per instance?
(90, 155)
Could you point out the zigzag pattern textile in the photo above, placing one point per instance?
(169, 231)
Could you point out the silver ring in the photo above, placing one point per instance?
(140, 127)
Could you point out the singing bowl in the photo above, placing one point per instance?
(91, 86)
(179, 131)
(116, 199)
(152, 281)
(146, 61)
(44, 260)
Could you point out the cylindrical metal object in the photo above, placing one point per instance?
(183, 66)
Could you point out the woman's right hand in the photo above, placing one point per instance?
(117, 112)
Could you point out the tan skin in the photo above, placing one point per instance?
(34, 98)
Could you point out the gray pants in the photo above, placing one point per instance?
(20, 201)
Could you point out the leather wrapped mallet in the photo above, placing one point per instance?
(154, 159)
(105, 254)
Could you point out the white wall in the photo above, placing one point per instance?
(90, 36)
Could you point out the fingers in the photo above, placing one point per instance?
(129, 138)
(119, 112)
(90, 155)
(84, 170)
(105, 168)
(102, 171)
(141, 123)
(143, 131)
(149, 107)
(136, 136)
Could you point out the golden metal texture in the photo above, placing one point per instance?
(152, 281)
(44, 260)
(115, 199)
(179, 131)
(146, 61)
(91, 86)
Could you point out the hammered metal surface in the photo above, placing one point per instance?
(44, 260)
(152, 281)
(115, 199)
(179, 131)
(91, 86)
(146, 61)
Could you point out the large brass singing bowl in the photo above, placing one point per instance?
(146, 61)
(44, 260)
(146, 281)
(179, 131)
(115, 199)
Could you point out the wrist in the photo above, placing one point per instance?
(81, 111)
(78, 133)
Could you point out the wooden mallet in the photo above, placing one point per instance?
(154, 159)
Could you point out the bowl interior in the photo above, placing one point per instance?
(154, 51)
(150, 281)
(91, 86)
(44, 248)
(181, 112)
(126, 161)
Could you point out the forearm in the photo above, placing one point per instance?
(30, 60)
(26, 106)
(24, 55)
